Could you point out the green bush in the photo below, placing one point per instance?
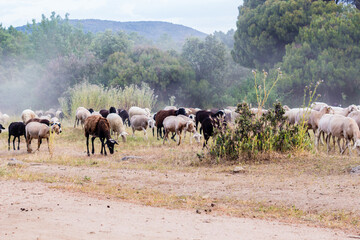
(97, 97)
(251, 135)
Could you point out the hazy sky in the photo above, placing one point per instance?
(203, 15)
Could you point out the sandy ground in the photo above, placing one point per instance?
(35, 211)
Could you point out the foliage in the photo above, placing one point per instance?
(265, 28)
(97, 97)
(252, 136)
(328, 49)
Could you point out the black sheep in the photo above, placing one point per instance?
(1, 128)
(16, 129)
(202, 115)
(208, 129)
(104, 113)
(124, 116)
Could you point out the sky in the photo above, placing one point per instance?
(203, 15)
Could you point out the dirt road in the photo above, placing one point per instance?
(35, 211)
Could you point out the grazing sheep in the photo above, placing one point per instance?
(177, 124)
(139, 111)
(201, 115)
(196, 135)
(344, 127)
(44, 121)
(162, 114)
(36, 130)
(324, 128)
(117, 126)
(124, 116)
(97, 126)
(1, 128)
(81, 115)
(16, 129)
(140, 123)
(27, 114)
(4, 118)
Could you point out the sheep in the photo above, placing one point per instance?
(97, 126)
(201, 115)
(162, 114)
(140, 123)
(27, 114)
(116, 125)
(318, 105)
(124, 116)
(95, 113)
(44, 121)
(138, 111)
(344, 127)
(344, 111)
(1, 128)
(81, 115)
(208, 129)
(4, 118)
(104, 113)
(196, 135)
(324, 128)
(312, 117)
(177, 124)
(59, 114)
(356, 116)
(36, 130)
(16, 129)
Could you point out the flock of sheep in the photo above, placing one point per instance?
(336, 122)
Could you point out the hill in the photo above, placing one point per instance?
(152, 30)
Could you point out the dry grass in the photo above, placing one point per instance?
(70, 151)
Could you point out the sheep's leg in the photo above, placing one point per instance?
(338, 141)
(103, 146)
(166, 136)
(9, 143)
(92, 144)
(145, 133)
(317, 137)
(87, 144)
(28, 142)
(75, 121)
(14, 143)
(39, 143)
(153, 130)
(47, 140)
(133, 129)
(18, 143)
(328, 137)
(179, 134)
(173, 136)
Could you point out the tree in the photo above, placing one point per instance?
(265, 28)
(328, 49)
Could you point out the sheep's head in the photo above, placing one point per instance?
(151, 123)
(1, 128)
(190, 126)
(111, 143)
(123, 136)
(56, 127)
(352, 108)
(197, 137)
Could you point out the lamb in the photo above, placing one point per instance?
(344, 127)
(116, 125)
(27, 114)
(124, 116)
(98, 126)
(16, 129)
(81, 115)
(139, 111)
(140, 123)
(36, 130)
(177, 124)
(1, 128)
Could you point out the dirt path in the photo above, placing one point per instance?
(34, 211)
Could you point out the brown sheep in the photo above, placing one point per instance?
(97, 126)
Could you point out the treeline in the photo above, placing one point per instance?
(308, 40)
(44, 63)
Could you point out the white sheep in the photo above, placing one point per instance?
(344, 111)
(139, 111)
(27, 114)
(324, 128)
(318, 105)
(344, 127)
(36, 130)
(4, 118)
(117, 125)
(177, 124)
(81, 115)
(356, 116)
(196, 135)
(140, 123)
